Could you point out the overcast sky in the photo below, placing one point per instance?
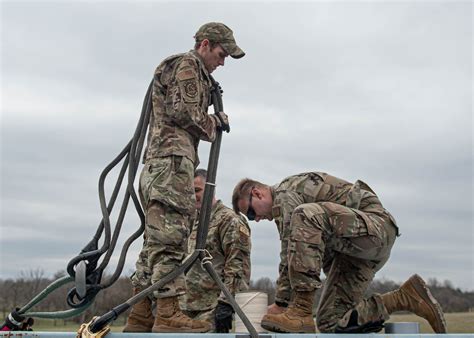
(378, 91)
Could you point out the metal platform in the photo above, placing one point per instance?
(38, 334)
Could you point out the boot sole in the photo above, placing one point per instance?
(170, 329)
(424, 292)
(271, 326)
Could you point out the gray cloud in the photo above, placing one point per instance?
(380, 91)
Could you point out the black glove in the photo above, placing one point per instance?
(223, 317)
(281, 304)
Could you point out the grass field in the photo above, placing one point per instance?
(457, 323)
(462, 322)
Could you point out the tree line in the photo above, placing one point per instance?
(452, 299)
(19, 291)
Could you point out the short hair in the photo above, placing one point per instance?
(212, 44)
(243, 189)
(201, 173)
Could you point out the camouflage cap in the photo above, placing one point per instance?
(218, 32)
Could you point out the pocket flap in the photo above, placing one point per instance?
(307, 235)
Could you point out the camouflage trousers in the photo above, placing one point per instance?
(167, 195)
(351, 246)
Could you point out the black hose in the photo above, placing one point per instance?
(90, 254)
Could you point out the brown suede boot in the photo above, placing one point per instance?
(169, 318)
(140, 318)
(298, 318)
(414, 296)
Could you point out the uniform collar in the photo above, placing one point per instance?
(200, 62)
(273, 193)
(218, 205)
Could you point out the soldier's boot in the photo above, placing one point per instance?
(170, 318)
(298, 317)
(414, 296)
(140, 318)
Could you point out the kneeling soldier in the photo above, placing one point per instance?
(328, 223)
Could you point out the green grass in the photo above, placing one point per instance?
(460, 322)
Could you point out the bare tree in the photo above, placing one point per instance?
(265, 284)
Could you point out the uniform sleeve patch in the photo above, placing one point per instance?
(244, 230)
(186, 74)
(190, 88)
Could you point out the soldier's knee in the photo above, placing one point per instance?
(311, 208)
(308, 214)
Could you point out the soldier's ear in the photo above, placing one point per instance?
(255, 192)
(205, 43)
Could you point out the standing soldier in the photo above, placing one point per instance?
(228, 242)
(328, 223)
(181, 92)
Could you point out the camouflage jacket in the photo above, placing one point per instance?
(310, 188)
(228, 242)
(181, 96)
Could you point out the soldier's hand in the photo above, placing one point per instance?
(223, 317)
(222, 121)
(274, 309)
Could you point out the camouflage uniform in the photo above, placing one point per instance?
(181, 95)
(228, 242)
(327, 223)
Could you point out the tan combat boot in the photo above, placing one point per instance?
(414, 296)
(169, 318)
(140, 318)
(298, 318)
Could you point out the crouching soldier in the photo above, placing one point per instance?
(228, 242)
(327, 223)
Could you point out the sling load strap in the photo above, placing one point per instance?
(84, 331)
(212, 272)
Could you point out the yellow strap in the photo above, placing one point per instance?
(84, 331)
